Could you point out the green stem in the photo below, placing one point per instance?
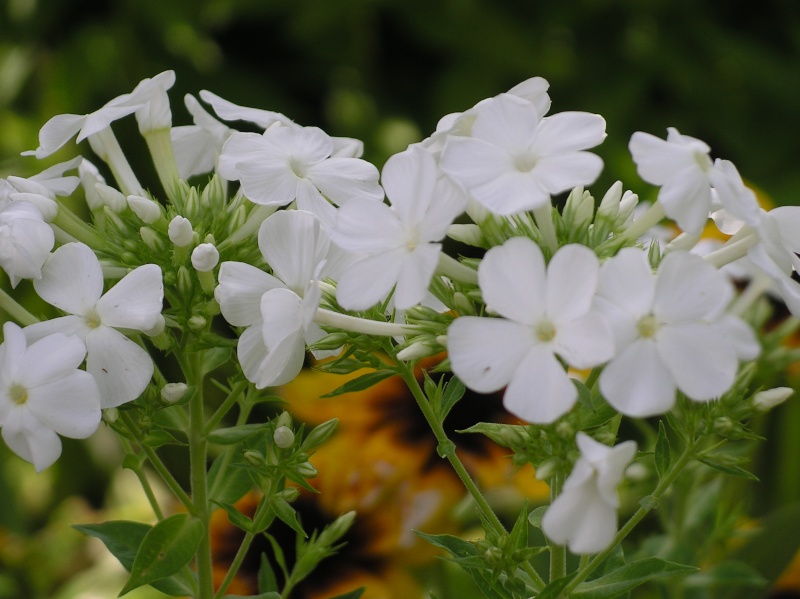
(198, 455)
(644, 223)
(645, 508)
(558, 553)
(68, 221)
(11, 307)
(145, 484)
(156, 462)
(225, 407)
(736, 247)
(159, 142)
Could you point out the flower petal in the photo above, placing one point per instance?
(370, 280)
(282, 311)
(689, 289)
(585, 342)
(512, 279)
(239, 292)
(343, 179)
(120, 367)
(686, 198)
(135, 302)
(72, 279)
(540, 390)
(568, 132)
(572, 277)
(50, 359)
(70, 405)
(561, 172)
(415, 275)
(30, 440)
(409, 179)
(627, 281)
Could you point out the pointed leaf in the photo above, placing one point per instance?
(729, 469)
(453, 391)
(365, 381)
(267, 583)
(286, 513)
(235, 434)
(662, 451)
(121, 537)
(536, 515)
(228, 484)
(237, 518)
(729, 573)
(164, 550)
(628, 577)
(518, 539)
(553, 590)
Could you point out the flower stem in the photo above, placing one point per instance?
(558, 553)
(159, 143)
(145, 484)
(11, 307)
(67, 221)
(362, 325)
(644, 223)
(733, 250)
(544, 221)
(107, 147)
(452, 268)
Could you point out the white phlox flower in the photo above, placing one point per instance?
(63, 127)
(25, 241)
(777, 246)
(400, 243)
(43, 395)
(278, 310)
(297, 163)
(584, 515)
(41, 189)
(533, 90)
(514, 159)
(681, 166)
(197, 147)
(546, 312)
(72, 281)
(671, 332)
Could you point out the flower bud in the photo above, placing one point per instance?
(110, 415)
(307, 470)
(609, 205)
(320, 434)
(147, 210)
(205, 257)
(627, 205)
(180, 231)
(416, 351)
(90, 176)
(110, 197)
(237, 219)
(289, 494)
(173, 392)
(254, 458)
(337, 529)
(193, 203)
(763, 401)
(283, 437)
(151, 239)
(467, 233)
(197, 322)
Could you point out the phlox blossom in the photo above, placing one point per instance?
(671, 332)
(400, 244)
(277, 309)
(514, 159)
(72, 280)
(584, 515)
(25, 241)
(43, 395)
(546, 312)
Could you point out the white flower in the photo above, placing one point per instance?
(197, 147)
(515, 159)
(288, 163)
(277, 310)
(205, 257)
(63, 127)
(546, 312)
(180, 231)
(43, 395)
(400, 242)
(682, 167)
(25, 241)
(584, 515)
(41, 189)
(671, 332)
(146, 209)
(72, 280)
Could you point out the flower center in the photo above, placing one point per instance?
(545, 331)
(298, 167)
(524, 163)
(18, 393)
(648, 326)
(702, 159)
(93, 319)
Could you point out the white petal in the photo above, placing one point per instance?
(310, 199)
(50, 359)
(485, 352)
(344, 179)
(72, 279)
(370, 280)
(229, 111)
(688, 289)
(585, 342)
(686, 198)
(252, 352)
(741, 336)
(658, 160)
(415, 275)
(68, 325)
(135, 302)
(564, 171)
(449, 201)
(265, 368)
(364, 226)
(540, 390)
(512, 279)
(569, 132)
(409, 179)
(30, 440)
(627, 281)
(787, 219)
(572, 277)
(269, 183)
(637, 383)
(56, 132)
(700, 357)
(506, 121)
(293, 243)
(120, 367)
(70, 405)
(534, 90)
(282, 312)
(239, 292)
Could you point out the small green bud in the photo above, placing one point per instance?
(151, 239)
(463, 304)
(307, 470)
(546, 469)
(609, 205)
(114, 219)
(130, 245)
(331, 341)
(237, 219)
(173, 392)
(197, 322)
(417, 351)
(336, 529)
(565, 430)
(254, 458)
(468, 234)
(185, 284)
(320, 434)
(148, 211)
(193, 203)
(285, 419)
(288, 495)
(723, 425)
(110, 415)
(626, 207)
(283, 437)
(128, 258)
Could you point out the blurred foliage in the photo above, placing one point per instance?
(385, 71)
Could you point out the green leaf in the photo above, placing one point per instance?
(628, 577)
(662, 451)
(728, 573)
(365, 381)
(160, 437)
(267, 582)
(229, 484)
(553, 590)
(235, 434)
(165, 549)
(237, 518)
(286, 513)
(270, 595)
(720, 463)
(536, 515)
(518, 539)
(216, 357)
(121, 537)
(453, 392)
(352, 594)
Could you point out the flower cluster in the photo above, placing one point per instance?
(316, 250)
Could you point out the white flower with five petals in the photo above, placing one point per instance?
(72, 280)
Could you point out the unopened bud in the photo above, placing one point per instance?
(110, 197)
(110, 415)
(185, 284)
(546, 469)
(151, 239)
(197, 322)
(320, 434)
(337, 529)
(609, 205)
(180, 231)
(289, 494)
(627, 205)
(307, 470)
(764, 401)
(237, 219)
(283, 437)
(463, 304)
(89, 176)
(193, 202)
(416, 351)
(173, 392)
(254, 458)
(205, 257)
(147, 210)
(467, 233)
